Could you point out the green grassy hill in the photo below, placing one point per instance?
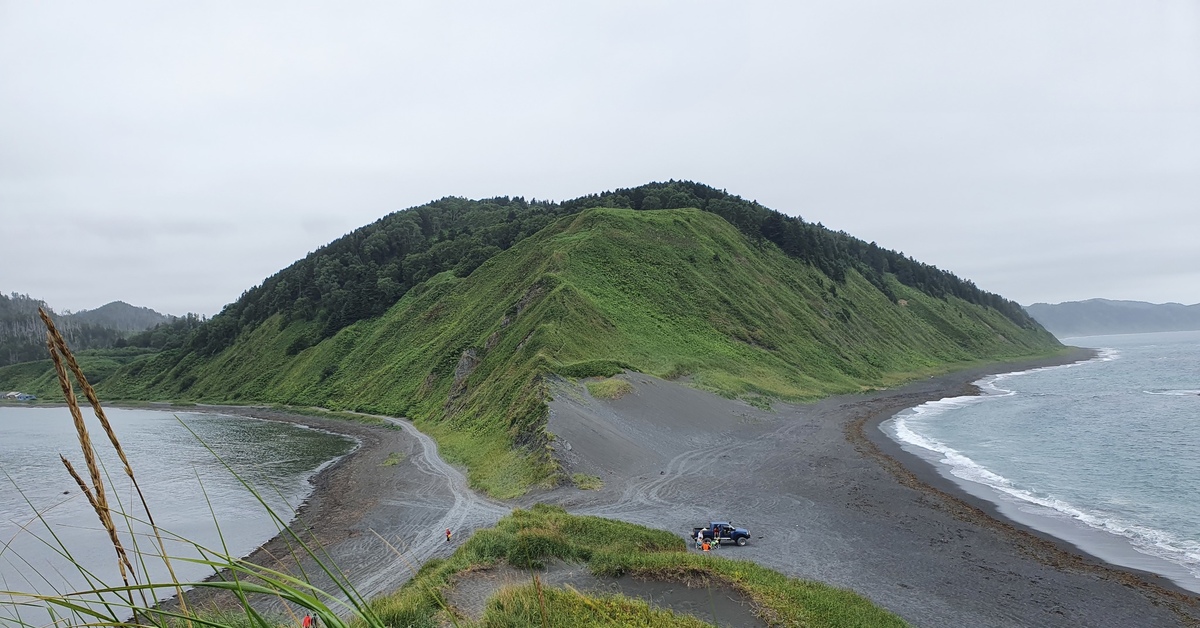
(672, 293)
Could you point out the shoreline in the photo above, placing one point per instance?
(336, 515)
(327, 515)
(829, 497)
(912, 470)
(376, 513)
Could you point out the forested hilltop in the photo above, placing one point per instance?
(23, 336)
(122, 316)
(506, 293)
(362, 274)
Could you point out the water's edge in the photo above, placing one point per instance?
(1076, 537)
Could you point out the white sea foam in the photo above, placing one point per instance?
(905, 428)
(1145, 539)
(1173, 393)
(904, 423)
(1105, 354)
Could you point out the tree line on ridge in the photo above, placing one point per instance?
(363, 273)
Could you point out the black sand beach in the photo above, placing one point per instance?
(828, 496)
(825, 494)
(377, 522)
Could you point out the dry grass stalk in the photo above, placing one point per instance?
(87, 492)
(98, 498)
(98, 410)
(537, 585)
(88, 391)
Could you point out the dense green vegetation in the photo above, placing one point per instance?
(173, 334)
(23, 337)
(669, 293)
(528, 539)
(453, 314)
(38, 377)
(362, 274)
(121, 316)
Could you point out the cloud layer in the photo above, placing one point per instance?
(183, 152)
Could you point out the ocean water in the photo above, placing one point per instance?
(1104, 454)
(190, 491)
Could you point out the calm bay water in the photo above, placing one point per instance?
(1104, 454)
(278, 459)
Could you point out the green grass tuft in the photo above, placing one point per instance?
(530, 538)
(587, 482)
(532, 605)
(609, 388)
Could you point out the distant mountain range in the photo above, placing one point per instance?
(23, 337)
(1097, 317)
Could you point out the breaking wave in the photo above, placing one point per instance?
(904, 427)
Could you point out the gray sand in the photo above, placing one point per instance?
(825, 495)
(825, 503)
(378, 523)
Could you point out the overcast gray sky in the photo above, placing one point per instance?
(172, 155)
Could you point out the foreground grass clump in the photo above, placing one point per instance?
(533, 605)
(530, 538)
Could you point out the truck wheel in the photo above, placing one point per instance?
(741, 540)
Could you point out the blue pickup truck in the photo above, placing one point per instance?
(725, 533)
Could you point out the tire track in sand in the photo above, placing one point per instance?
(468, 512)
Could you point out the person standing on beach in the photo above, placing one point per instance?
(307, 621)
(448, 535)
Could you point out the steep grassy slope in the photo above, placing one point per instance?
(671, 293)
(362, 274)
